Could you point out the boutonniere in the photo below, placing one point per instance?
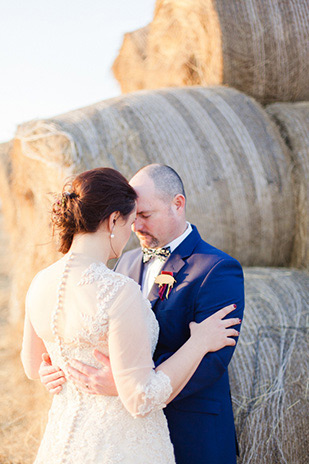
(165, 280)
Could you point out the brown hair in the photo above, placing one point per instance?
(88, 200)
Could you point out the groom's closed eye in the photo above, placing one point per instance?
(144, 215)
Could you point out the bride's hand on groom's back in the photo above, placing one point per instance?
(215, 332)
(52, 377)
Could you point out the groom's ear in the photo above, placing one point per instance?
(179, 202)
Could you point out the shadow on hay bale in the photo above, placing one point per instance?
(259, 47)
(293, 122)
(269, 371)
(235, 167)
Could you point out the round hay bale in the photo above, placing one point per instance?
(259, 47)
(293, 122)
(129, 67)
(230, 155)
(269, 371)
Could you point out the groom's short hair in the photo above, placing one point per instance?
(165, 179)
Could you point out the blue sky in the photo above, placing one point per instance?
(57, 55)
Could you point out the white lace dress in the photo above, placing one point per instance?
(107, 311)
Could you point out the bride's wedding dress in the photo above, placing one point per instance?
(88, 306)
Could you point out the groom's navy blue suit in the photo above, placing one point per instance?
(200, 418)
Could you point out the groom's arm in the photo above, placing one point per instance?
(222, 286)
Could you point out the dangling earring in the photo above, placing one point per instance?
(112, 235)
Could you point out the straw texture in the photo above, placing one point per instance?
(129, 67)
(7, 203)
(184, 44)
(230, 155)
(30, 232)
(260, 47)
(269, 371)
(293, 122)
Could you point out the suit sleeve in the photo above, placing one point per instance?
(222, 286)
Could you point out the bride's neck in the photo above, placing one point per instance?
(94, 246)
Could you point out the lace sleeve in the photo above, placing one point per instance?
(154, 394)
(141, 389)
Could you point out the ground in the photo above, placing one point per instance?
(24, 403)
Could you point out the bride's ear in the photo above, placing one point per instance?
(112, 220)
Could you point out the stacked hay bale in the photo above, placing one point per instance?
(259, 47)
(230, 154)
(245, 171)
(293, 122)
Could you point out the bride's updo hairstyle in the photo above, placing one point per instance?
(89, 199)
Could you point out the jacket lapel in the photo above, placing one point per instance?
(176, 261)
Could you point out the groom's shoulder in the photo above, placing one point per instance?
(204, 253)
(128, 259)
(131, 255)
(208, 255)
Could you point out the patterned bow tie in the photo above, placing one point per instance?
(161, 253)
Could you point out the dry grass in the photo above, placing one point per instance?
(24, 403)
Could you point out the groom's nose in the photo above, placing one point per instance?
(136, 226)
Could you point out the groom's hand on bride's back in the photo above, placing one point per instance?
(89, 379)
(52, 377)
(92, 380)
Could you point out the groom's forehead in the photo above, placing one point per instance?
(148, 204)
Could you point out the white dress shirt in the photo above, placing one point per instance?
(154, 266)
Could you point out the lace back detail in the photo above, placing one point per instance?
(108, 285)
(63, 355)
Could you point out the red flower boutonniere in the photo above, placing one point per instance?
(165, 280)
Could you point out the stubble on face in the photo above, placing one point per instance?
(146, 240)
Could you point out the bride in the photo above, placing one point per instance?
(77, 305)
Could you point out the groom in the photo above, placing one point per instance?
(200, 418)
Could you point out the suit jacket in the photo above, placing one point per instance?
(200, 418)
